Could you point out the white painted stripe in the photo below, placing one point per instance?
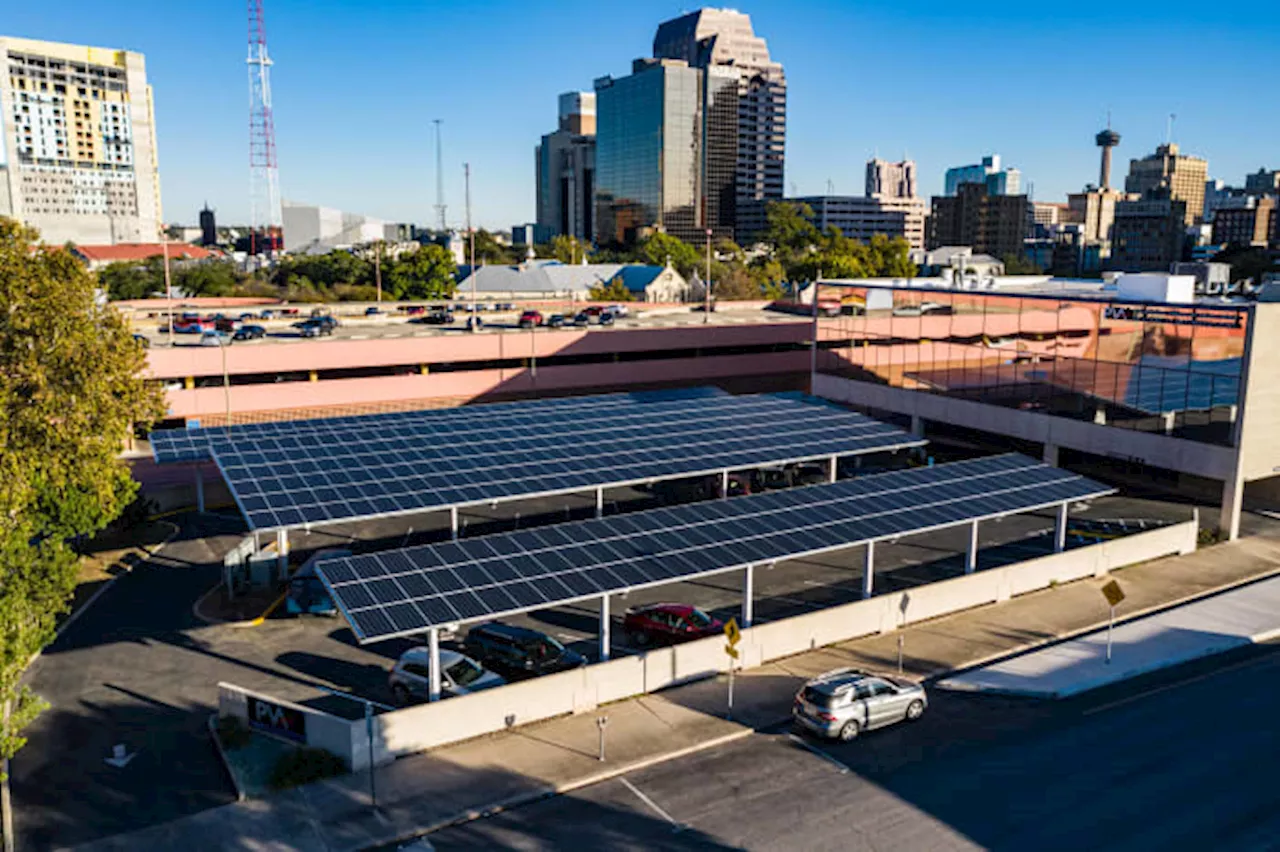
(651, 803)
(813, 749)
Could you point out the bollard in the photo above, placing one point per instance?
(601, 722)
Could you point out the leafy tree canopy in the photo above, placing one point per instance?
(656, 249)
(70, 393)
(614, 291)
(427, 273)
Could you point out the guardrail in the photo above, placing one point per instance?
(426, 726)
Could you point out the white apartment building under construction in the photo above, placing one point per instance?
(77, 143)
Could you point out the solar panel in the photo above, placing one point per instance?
(396, 593)
(186, 445)
(391, 469)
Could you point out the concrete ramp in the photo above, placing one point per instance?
(1220, 623)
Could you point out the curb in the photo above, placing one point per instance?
(256, 621)
(149, 551)
(1000, 656)
(212, 723)
(522, 799)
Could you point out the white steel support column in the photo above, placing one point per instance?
(599, 502)
(282, 553)
(833, 466)
(724, 484)
(604, 628)
(199, 488)
(433, 651)
(453, 523)
(1060, 530)
(748, 595)
(971, 557)
(868, 569)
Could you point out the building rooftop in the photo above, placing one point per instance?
(140, 252)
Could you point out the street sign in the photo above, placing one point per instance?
(1113, 593)
(732, 632)
(731, 651)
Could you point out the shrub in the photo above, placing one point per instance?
(233, 733)
(1206, 537)
(303, 766)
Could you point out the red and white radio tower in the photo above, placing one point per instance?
(264, 178)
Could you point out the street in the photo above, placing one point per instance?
(1176, 760)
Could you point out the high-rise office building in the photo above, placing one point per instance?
(1148, 232)
(565, 166)
(891, 180)
(990, 223)
(862, 218)
(1245, 221)
(1183, 175)
(988, 173)
(77, 143)
(665, 152)
(208, 227)
(1262, 182)
(725, 38)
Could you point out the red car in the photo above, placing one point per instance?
(529, 319)
(668, 622)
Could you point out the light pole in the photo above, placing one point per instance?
(377, 270)
(706, 305)
(472, 321)
(168, 283)
(226, 378)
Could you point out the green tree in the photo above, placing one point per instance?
(129, 280)
(490, 251)
(891, 258)
(211, 278)
(70, 393)
(789, 231)
(735, 283)
(566, 249)
(1015, 264)
(427, 273)
(657, 249)
(614, 291)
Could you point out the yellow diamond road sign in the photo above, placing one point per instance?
(731, 651)
(731, 630)
(1113, 593)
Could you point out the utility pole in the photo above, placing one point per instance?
(706, 290)
(377, 270)
(168, 283)
(440, 208)
(473, 320)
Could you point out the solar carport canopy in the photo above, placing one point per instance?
(169, 446)
(402, 592)
(373, 470)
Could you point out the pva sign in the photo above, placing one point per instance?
(277, 719)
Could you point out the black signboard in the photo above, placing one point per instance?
(277, 719)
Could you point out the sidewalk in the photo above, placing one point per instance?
(423, 792)
(1201, 629)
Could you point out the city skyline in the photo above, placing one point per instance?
(364, 142)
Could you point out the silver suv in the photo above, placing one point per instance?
(843, 703)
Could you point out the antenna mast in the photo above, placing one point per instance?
(264, 178)
(440, 206)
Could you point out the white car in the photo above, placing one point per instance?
(618, 311)
(410, 677)
(215, 338)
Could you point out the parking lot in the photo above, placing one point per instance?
(392, 324)
(141, 669)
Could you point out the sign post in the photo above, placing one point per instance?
(1114, 595)
(734, 635)
(601, 722)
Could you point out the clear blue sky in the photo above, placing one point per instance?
(356, 85)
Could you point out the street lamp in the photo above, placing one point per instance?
(706, 305)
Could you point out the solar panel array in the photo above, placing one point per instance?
(189, 445)
(402, 467)
(401, 592)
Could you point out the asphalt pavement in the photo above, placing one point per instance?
(1178, 760)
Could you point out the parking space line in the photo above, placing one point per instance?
(651, 803)
(813, 749)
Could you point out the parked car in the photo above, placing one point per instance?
(227, 325)
(504, 306)
(519, 650)
(414, 310)
(143, 340)
(605, 319)
(215, 338)
(313, 328)
(326, 319)
(438, 316)
(668, 622)
(582, 319)
(249, 332)
(266, 313)
(191, 326)
(593, 310)
(617, 311)
(410, 677)
(306, 594)
(372, 311)
(843, 703)
(555, 321)
(530, 319)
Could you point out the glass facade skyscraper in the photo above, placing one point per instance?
(663, 161)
